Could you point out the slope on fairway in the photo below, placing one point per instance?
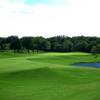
(48, 76)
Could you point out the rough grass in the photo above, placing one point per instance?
(48, 76)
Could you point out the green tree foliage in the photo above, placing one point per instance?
(53, 44)
(46, 45)
(81, 43)
(67, 46)
(82, 46)
(1, 43)
(96, 50)
(15, 43)
(39, 42)
(27, 43)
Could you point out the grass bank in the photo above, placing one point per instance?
(48, 76)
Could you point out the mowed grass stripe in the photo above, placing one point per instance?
(48, 76)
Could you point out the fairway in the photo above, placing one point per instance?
(48, 76)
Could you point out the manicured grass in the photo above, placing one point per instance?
(48, 76)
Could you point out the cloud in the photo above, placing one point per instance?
(49, 2)
(80, 17)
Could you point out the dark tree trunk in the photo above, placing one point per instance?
(28, 50)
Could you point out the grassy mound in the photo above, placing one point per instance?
(48, 76)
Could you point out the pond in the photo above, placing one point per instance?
(91, 64)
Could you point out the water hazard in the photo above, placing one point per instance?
(84, 64)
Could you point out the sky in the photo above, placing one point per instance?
(49, 18)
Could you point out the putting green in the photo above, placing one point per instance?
(48, 76)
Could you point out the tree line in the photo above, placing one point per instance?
(52, 44)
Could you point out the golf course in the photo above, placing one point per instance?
(49, 50)
(48, 76)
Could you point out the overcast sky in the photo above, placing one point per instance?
(49, 17)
